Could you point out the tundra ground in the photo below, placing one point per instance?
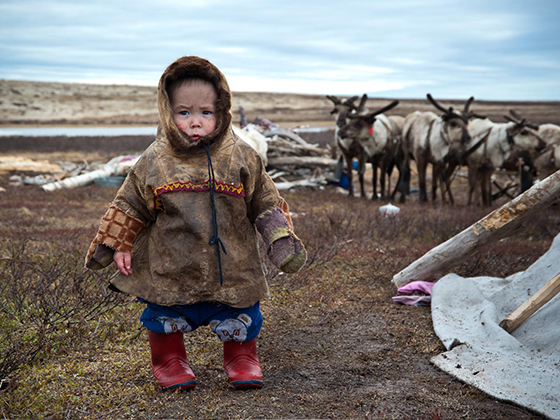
(333, 345)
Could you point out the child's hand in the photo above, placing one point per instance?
(123, 261)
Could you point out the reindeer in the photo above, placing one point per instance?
(342, 109)
(503, 140)
(434, 140)
(397, 157)
(370, 138)
(455, 160)
(546, 161)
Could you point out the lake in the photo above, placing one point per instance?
(102, 131)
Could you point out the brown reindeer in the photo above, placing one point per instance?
(342, 108)
(369, 138)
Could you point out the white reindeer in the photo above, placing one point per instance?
(370, 138)
(432, 139)
(548, 160)
(502, 141)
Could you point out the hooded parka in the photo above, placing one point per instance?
(182, 201)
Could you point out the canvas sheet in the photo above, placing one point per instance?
(522, 367)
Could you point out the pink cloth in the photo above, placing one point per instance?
(417, 293)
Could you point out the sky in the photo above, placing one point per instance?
(489, 49)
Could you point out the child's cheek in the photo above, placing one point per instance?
(181, 124)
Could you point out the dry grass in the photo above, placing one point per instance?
(333, 343)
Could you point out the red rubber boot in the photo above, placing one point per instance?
(242, 364)
(169, 361)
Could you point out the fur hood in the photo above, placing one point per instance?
(193, 67)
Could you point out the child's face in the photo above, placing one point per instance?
(193, 104)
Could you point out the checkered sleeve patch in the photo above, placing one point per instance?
(117, 231)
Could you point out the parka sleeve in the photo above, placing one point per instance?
(128, 215)
(274, 223)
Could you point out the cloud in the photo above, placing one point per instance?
(311, 86)
(398, 47)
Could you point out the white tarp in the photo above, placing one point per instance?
(524, 367)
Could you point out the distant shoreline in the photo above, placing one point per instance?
(53, 104)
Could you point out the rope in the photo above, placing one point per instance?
(215, 239)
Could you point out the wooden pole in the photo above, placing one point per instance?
(301, 161)
(498, 224)
(532, 305)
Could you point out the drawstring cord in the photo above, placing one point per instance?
(215, 239)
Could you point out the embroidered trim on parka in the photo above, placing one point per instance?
(221, 187)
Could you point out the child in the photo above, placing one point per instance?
(181, 229)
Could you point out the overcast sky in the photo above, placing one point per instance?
(505, 50)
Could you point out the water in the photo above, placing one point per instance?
(78, 131)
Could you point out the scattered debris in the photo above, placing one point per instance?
(118, 166)
(416, 293)
(290, 161)
(23, 164)
(389, 209)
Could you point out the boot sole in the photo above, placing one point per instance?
(185, 386)
(247, 384)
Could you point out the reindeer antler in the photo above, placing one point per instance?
(362, 105)
(468, 104)
(515, 114)
(449, 111)
(334, 99)
(371, 115)
(385, 109)
(521, 120)
(467, 115)
(349, 102)
(515, 120)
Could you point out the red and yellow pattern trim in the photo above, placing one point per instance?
(221, 187)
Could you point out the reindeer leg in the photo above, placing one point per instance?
(401, 185)
(389, 173)
(385, 162)
(421, 164)
(486, 193)
(472, 182)
(398, 186)
(436, 178)
(361, 171)
(350, 175)
(404, 179)
(442, 182)
(450, 170)
(375, 165)
(483, 191)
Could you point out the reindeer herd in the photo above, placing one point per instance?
(446, 140)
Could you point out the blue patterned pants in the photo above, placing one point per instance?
(228, 323)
